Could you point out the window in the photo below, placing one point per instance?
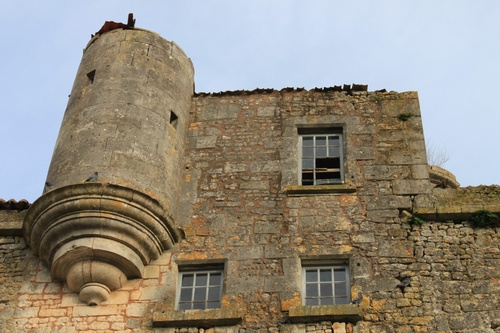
(173, 119)
(91, 76)
(321, 156)
(326, 285)
(200, 289)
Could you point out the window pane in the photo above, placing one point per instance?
(213, 294)
(312, 301)
(340, 289)
(200, 294)
(341, 300)
(333, 151)
(215, 279)
(311, 290)
(187, 280)
(333, 140)
(199, 305)
(186, 294)
(184, 306)
(311, 275)
(307, 175)
(307, 182)
(327, 301)
(321, 141)
(308, 152)
(213, 305)
(320, 151)
(325, 275)
(326, 289)
(307, 163)
(201, 279)
(307, 141)
(339, 275)
(328, 162)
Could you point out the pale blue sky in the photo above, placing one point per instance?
(448, 51)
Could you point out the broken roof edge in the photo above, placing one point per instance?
(346, 88)
(14, 204)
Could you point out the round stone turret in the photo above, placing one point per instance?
(110, 204)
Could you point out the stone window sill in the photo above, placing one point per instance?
(198, 318)
(319, 189)
(345, 312)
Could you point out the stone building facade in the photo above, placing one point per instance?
(288, 210)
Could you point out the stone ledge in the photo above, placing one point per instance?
(198, 318)
(11, 229)
(455, 213)
(319, 189)
(11, 223)
(305, 314)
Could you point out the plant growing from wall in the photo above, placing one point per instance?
(484, 218)
(415, 220)
(405, 116)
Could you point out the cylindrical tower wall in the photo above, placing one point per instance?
(111, 197)
(127, 116)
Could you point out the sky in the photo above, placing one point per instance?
(447, 50)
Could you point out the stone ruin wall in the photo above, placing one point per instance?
(242, 205)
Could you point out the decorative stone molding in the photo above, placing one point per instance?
(96, 236)
(440, 177)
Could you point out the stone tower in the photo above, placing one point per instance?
(109, 204)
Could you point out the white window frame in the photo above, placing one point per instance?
(194, 304)
(322, 297)
(329, 153)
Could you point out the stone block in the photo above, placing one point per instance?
(202, 142)
(249, 252)
(101, 310)
(266, 111)
(151, 272)
(363, 153)
(410, 186)
(277, 283)
(419, 171)
(389, 201)
(278, 251)
(396, 248)
(43, 275)
(366, 237)
(338, 327)
(70, 300)
(217, 111)
(255, 185)
(119, 297)
(28, 312)
(99, 325)
(151, 293)
(136, 309)
(44, 312)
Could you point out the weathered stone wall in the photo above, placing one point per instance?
(242, 207)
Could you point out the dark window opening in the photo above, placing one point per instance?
(173, 119)
(91, 76)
